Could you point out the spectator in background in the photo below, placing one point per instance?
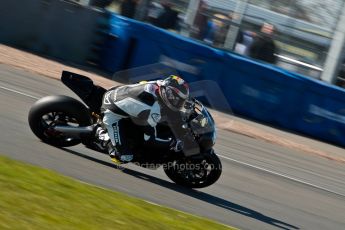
(200, 24)
(210, 31)
(263, 47)
(244, 41)
(128, 8)
(216, 30)
(168, 18)
(222, 22)
(100, 3)
(342, 70)
(341, 75)
(248, 39)
(154, 11)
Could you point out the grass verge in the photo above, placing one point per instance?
(35, 198)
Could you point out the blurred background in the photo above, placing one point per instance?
(308, 35)
(303, 29)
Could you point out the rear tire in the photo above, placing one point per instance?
(52, 110)
(200, 177)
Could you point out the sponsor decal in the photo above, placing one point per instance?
(203, 122)
(146, 137)
(156, 117)
(116, 133)
(106, 98)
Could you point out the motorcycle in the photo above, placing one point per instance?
(63, 121)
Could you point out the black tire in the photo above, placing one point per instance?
(62, 106)
(174, 172)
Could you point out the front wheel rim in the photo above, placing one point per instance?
(194, 173)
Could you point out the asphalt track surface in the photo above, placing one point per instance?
(263, 186)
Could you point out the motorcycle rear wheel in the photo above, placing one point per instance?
(57, 110)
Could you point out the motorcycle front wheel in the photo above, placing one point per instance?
(195, 172)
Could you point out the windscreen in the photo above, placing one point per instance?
(203, 122)
(144, 73)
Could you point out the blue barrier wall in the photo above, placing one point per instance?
(255, 90)
(59, 29)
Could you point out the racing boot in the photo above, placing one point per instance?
(113, 151)
(116, 156)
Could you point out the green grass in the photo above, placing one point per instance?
(35, 198)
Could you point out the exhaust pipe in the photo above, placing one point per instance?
(78, 132)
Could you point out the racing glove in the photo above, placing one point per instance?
(176, 145)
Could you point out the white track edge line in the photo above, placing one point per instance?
(281, 175)
(18, 92)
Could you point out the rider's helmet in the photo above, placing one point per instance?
(174, 92)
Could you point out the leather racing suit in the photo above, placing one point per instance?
(142, 104)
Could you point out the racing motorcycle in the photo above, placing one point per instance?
(63, 121)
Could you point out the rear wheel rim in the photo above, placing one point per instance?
(51, 119)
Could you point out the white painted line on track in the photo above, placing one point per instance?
(18, 92)
(280, 175)
(225, 157)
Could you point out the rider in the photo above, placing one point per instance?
(145, 103)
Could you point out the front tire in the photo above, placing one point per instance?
(195, 173)
(57, 110)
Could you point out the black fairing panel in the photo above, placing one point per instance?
(83, 86)
(206, 141)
